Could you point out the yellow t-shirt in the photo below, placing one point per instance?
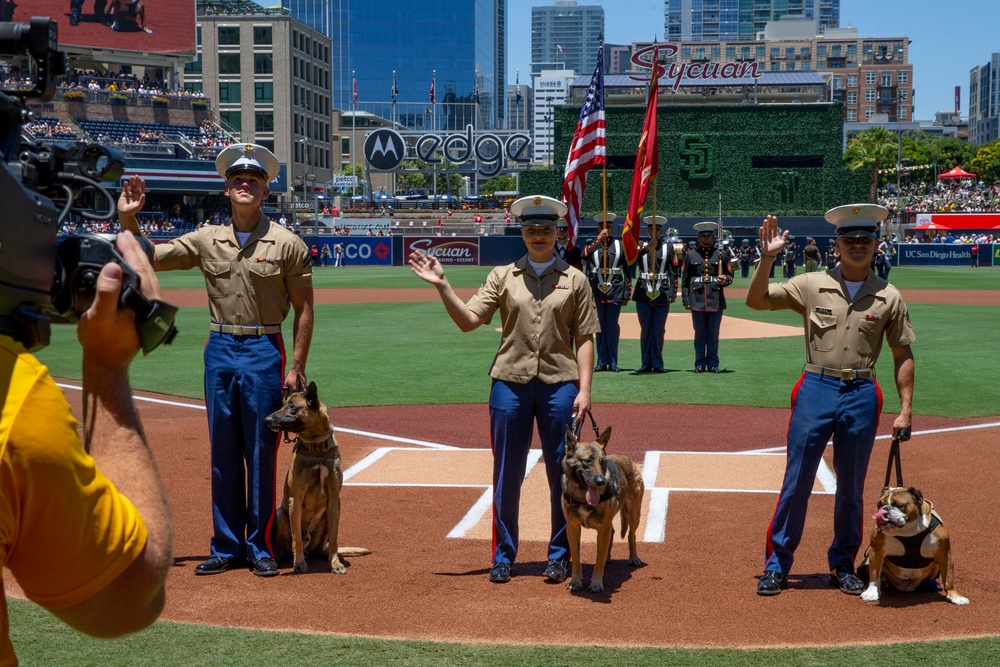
(65, 531)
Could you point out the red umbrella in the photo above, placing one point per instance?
(957, 172)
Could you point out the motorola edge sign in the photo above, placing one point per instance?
(386, 149)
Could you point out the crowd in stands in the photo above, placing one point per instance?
(209, 140)
(96, 80)
(958, 196)
(44, 127)
(950, 236)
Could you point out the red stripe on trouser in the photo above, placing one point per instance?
(769, 545)
(274, 464)
(493, 506)
(878, 414)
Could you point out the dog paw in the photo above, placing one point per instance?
(871, 594)
(634, 561)
(337, 567)
(301, 567)
(575, 585)
(596, 587)
(958, 599)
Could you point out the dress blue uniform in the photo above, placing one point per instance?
(655, 290)
(706, 269)
(611, 283)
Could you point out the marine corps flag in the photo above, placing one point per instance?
(647, 159)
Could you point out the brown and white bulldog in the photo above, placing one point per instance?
(909, 545)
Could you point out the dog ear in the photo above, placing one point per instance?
(603, 438)
(312, 396)
(570, 440)
(918, 498)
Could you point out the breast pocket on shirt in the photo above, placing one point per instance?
(260, 274)
(822, 331)
(218, 276)
(868, 334)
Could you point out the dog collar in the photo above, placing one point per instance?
(331, 451)
(609, 491)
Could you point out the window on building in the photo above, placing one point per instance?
(264, 121)
(838, 82)
(790, 52)
(193, 67)
(229, 63)
(869, 112)
(295, 38)
(775, 66)
(716, 53)
(886, 79)
(903, 94)
(821, 50)
(852, 97)
(266, 143)
(685, 53)
(836, 50)
(901, 114)
(345, 142)
(852, 115)
(870, 78)
(775, 52)
(805, 53)
(229, 35)
(852, 80)
(760, 52)
(263, 63)
(699, 53)
(852, 50)
(262, 34)
(192, 86)
(263, 92)
(869, 95)
(233, 119)
(229, 92)
(903, 77)
(731, 52)
(806, 65)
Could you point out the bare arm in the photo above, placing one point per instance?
(130, 202)
(302, 331)
(770, 244)
(115, 439)
(430, 270)
(903, 371)
(585, 368)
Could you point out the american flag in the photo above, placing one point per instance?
(588, 147)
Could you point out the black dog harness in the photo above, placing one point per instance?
(305, 448)
(911, 557)
(609, 491)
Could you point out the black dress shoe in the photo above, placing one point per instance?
(771, 583)
(845, 580)
(265, 567)
(699, 369)
(74, 17)
(714, 370)
(613, 368)
(558, 569)
(643, 370)
(657, 370)
(598, 369)
(500, 573)
(214, 565)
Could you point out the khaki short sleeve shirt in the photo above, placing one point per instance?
(249, 284)
(539, 315)
(841, 333)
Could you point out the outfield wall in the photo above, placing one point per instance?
(499, 250)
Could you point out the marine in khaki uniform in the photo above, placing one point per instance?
(848, 311)
(255, 272)
(546, 307)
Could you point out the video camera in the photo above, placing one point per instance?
(40, 185)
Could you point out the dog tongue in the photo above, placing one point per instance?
(593, 495)
(881, 517)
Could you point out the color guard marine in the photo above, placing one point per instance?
(611, 281)
(655, 290)
(705, 271)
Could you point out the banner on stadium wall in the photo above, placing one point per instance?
(958, 221)
(940, 254)
(461, 250)
(358, 250)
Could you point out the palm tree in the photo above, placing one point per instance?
(873, 148)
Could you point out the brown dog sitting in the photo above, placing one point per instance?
(309, 516)
(909, 546)
(596, 486)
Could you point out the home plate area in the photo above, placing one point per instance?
(664, 473)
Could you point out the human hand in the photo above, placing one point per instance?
(427, 268)
(771, 241)
(133, 196)
(602, 236)
(294, 381)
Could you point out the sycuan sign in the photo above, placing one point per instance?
(719, 74)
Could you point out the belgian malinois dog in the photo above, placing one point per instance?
(596, 486)
(309, 516)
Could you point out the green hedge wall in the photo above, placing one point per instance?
(708, 149)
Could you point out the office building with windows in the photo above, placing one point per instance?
(984, 102)
(565, 36)
(520, 112)
(870, 75)
(461, 44)
(269, 77)
(731, 20)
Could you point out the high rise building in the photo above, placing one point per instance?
(565, 36)
(460, 43)
(984, 102)
(731, 20)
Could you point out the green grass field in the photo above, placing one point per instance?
(411, 353)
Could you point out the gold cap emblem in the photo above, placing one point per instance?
(248, 149)
(537, 201)
(855, 210)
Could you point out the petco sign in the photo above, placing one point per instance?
(453, 250)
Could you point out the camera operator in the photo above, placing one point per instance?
(84, 526)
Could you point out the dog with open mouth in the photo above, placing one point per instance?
(909, 546)
(596, 487)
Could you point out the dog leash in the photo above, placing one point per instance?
(894, 458)
(577, 425)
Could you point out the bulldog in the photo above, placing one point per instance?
(909, 545)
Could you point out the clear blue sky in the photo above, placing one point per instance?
(948, 38)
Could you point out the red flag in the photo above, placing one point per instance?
(644, 176)
(355, 92)
(432, 89)
(588, 147)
